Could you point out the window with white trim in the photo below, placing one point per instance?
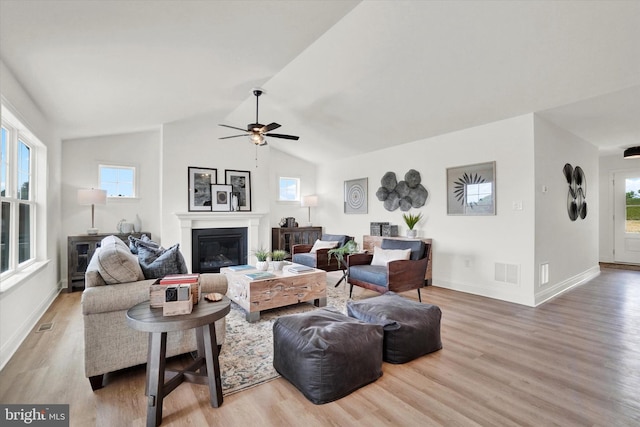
(17, 196)
(288, 189)
(119, 181)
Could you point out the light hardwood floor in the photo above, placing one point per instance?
(574, 361)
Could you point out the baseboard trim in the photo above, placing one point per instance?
(618, 266)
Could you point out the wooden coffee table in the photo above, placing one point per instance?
(285, 288)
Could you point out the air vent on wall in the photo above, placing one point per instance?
(507, 273)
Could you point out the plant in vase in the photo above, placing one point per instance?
(411, 220)
(339, 253)
(262, 255)
(277, 259)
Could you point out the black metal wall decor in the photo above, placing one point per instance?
(405, 195)
(577, 195)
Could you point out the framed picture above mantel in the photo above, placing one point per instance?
(240, 182)
(200, 181)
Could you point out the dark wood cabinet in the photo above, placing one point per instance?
(284, 237)
(80, 250)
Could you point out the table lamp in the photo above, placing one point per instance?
(92, 196)
(309, 202)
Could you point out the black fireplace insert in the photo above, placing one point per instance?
(214, 248)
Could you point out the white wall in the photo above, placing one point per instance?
(194, 142)
(286, 165)
(569, 247)
(22, 305)
(610, 165)
(465, 248)
(80, 161)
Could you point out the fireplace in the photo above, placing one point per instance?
(214, 248)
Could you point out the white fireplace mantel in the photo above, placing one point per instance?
(198, 220)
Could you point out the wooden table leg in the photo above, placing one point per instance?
(212, 363)
(155, 376)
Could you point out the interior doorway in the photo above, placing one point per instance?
(627, 217)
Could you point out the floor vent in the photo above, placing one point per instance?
(45, 327)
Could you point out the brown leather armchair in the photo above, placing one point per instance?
(301, 254)
(396, 276)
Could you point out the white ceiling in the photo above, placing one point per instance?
(347, 76)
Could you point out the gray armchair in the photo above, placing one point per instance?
(396, 276)
(301, 254)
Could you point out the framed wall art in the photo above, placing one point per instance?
(240, 182)
(200, 180)
(220, 198)
(471, 189)
(355, 196)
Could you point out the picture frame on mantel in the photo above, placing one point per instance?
(200, 181)
(240, 182)
(220, 198)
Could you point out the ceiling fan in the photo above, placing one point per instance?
(257, 131)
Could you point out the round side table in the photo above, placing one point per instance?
(204, 370)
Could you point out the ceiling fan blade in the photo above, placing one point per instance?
(279, 135)
(233, 127)
(270, 127)
(232, 136)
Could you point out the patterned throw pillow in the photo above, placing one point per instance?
(157, 262)
(143, 240)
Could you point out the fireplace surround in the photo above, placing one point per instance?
(201, 220)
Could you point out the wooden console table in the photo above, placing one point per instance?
(80, 249)
(146, 319)
(369, 242)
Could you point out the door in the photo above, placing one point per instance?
(627, 217)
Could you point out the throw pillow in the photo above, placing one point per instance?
(384, 256)
(159, 262)
(134, 242)
(116, 263)
(323, 244)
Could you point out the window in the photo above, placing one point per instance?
(632, 187)
(289, 189)
(17, 196)
(119, 181)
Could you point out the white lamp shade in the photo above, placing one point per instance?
(309, 201)
(92, 196)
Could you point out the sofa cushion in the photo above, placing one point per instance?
(116, 263)
(417, 246)
(324, 244)
(385, 256)
(158, 262)
(375, 274)
(340, 238)
(305, 258)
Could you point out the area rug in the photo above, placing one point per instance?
(246, 359)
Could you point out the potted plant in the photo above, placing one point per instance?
(262, 255)
(339, 253)
(411, 220)
(277, 259)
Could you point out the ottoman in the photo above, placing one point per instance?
(325, 354)
(411, 329)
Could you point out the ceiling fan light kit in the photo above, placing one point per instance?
(632, 153)
(257, 131)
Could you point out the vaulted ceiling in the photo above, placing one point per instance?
(344, 75)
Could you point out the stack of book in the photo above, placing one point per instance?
(300, 269)
(157, 290)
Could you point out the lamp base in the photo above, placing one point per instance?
(309, 224)
(92, 231)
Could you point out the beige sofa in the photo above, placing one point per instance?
(113, 284)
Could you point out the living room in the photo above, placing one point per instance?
(529, 149)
